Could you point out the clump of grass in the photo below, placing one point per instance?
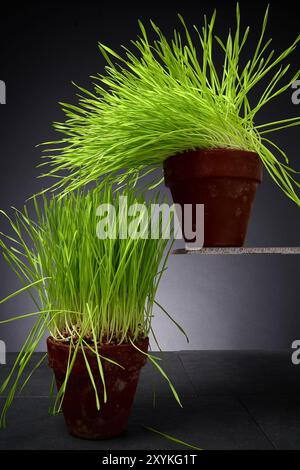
(165, 97)
(87, 290)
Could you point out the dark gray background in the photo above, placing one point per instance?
(222, 302)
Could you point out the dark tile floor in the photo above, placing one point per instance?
(232, 400)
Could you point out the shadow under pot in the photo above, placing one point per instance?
(79, 404)
(225, 181)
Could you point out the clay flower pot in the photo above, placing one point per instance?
(79, 405)
(225, 181)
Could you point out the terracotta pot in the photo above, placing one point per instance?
(79, 405)
(225, 181)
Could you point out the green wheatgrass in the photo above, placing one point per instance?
(87, 290)
(164, 97)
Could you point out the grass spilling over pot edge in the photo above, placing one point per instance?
(165, 97)
(88, 291)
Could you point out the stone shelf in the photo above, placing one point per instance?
(282, 250)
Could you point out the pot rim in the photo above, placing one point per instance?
(106, 346)
(216, 150)
(212, 163)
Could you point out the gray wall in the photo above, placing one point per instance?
(222, 302)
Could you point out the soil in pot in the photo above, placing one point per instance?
(79, 404)
(225, 181)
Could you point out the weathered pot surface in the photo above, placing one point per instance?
(79, 404)
(225, 181)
